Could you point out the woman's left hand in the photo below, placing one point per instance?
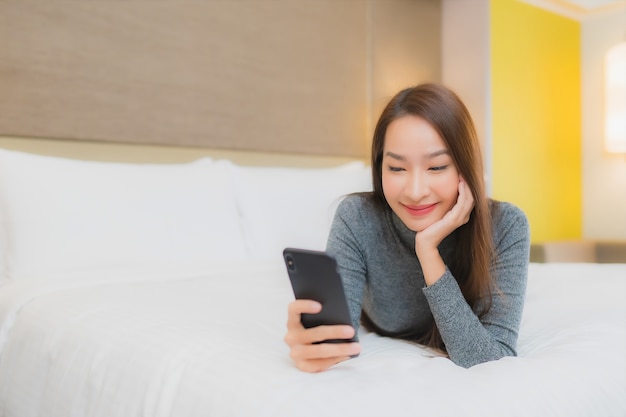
(458, 215)
(428, 240)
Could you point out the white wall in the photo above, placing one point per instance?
(604, 175)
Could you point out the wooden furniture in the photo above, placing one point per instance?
(597, 251)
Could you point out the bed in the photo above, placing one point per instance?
(100, 317)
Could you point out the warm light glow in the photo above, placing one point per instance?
(615, 99)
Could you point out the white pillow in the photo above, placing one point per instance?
(283, 207)
(64, 215)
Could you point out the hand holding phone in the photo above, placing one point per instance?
(314, 276)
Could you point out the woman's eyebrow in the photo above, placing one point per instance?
(437, 153)
(428, 156)
(395, 156)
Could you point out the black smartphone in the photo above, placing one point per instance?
(314, 276)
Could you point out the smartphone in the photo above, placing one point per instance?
(314, 276)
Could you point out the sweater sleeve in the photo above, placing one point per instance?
(343, 245)
(470, 341)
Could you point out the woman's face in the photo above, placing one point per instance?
(420, 181)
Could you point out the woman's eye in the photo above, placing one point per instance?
(439, 168)
(395, 169)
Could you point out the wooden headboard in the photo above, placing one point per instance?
(305, 76)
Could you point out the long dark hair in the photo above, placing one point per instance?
(446, 113)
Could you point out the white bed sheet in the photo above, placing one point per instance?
(210, 343)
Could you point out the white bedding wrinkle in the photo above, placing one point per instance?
(210, 343)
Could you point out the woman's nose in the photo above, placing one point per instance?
(417, 187)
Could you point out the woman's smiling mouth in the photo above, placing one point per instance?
(420, 210)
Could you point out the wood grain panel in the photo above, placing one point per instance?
(286, 76)
(271, 75)
(406, 48)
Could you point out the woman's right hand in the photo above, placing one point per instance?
(309, 356)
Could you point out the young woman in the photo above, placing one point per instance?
(426, 256)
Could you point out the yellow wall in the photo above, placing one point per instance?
(536, 110)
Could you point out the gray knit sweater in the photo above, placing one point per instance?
(376, 258)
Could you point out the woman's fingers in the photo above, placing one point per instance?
(318, 365)
(297, 308)
(298, 335)
(302, 336)
(319, 357)
(305, 348)
(325, 351)
(465, 202)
